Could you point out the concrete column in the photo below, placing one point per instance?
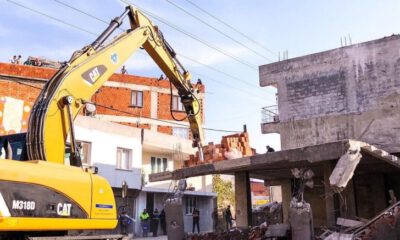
(243, 199)
(329, 200)
(153, 108)
(286, 198)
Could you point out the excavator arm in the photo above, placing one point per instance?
(51, 119)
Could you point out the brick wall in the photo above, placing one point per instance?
(348, 92)
(118, 98)
(20, 91)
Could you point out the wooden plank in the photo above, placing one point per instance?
(348, 222)
(155, 177)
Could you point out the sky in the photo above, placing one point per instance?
(233, 95)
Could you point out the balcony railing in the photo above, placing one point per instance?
(270, 114)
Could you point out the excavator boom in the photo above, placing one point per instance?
(73, 85)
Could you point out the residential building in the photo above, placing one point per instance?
(131, 135)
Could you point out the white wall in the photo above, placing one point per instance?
(105, 138)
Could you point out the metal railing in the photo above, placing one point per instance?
(270, 114)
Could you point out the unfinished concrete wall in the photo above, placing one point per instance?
(370, 195)
(349, 92)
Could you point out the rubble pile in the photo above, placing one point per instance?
(270, 213)
(231, 146)
(232, 234)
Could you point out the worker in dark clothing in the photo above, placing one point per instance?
(214, 216)
(228, 217)
(196, 219)
(163, 222)
(154, 222)
(270, 149)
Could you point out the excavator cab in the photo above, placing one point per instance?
(13, 147)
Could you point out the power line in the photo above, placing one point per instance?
(22, 83)
(191, 59)
(138, 115)
(84, 30)
(202, 41)
(223, 83)
(232, 28)
(217, 30)
(83, 12)
(222, 72)
(160, 120)
(217, 70)
(51, 17)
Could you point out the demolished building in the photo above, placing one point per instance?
(338, 116)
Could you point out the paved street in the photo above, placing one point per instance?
(154, 238)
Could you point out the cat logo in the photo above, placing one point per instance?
(93, 74)
(64, 209)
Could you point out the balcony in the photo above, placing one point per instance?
(269, 114)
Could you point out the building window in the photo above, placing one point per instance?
(85, 149)
(124, 158)
(177, 104)
(191, 204)
(137, 98)
(158, 164)
(180, 132)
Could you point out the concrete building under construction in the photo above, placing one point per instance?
(338, 118)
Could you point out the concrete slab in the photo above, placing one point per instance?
(277, 165)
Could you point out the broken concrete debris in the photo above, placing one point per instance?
(300, 219)
(231, 147)
(270, 213)
(383, 226)
(344, 169)
(300, 214)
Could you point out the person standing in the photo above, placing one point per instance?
(144, 221)
(163, 222)
(214, 216)
(14, 60)
(196, 219)
(228, 217)
(123, 70)
(18, 61)
(155, 219)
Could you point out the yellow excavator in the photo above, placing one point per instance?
(40, 191)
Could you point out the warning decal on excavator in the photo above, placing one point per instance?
(104, 206)
(94, 73)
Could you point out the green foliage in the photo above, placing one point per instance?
(224, 190)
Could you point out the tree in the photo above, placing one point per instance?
(224, 190)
